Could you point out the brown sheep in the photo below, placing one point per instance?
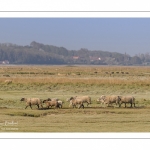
(127, 99)
(51, 103)
(8, 81)
(59, 102)
(83, 99)
(32, 101)
(76, 101)
(110, 99)
(101, 101)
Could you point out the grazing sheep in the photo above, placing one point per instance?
(127, 99)
(32, 101)
(51, 103)
(110, 99)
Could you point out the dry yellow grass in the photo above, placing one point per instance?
(80, 74)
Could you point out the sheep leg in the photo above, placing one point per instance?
(103, 105)
(58, 106)
(83, 106)
(30, 107)
(125, 105)
(107, 104)
(26, 106)
(119, 104)
(131, 105)
(38, 106)
(79, 106)
(116, 103)
(70, 104)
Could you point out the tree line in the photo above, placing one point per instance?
(38, 53)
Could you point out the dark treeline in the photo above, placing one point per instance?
(37, 53)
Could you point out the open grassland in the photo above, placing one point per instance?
(66, 81)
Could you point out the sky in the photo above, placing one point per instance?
(123, 35)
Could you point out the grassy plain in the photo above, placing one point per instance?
(66, 81)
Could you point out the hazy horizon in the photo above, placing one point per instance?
(122, 35)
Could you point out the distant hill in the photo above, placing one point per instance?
(38, 53)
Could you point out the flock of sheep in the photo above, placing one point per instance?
(78, 101)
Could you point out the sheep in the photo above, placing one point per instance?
(56, 99)
(32, 101)
(85, 99)
(8, 81)
(79, 100)
(59, 101)
(127, 99)
(76, 101)
(110, 99)
(70, 100)
(101, 101)
(51, 103)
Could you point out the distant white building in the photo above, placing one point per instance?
(4, 62)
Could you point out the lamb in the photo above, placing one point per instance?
(59, 101)
(51, 103)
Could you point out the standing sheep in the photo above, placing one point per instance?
(76, 101)
(127, 99)
(110, 99)
(32, 101)
(79, 100)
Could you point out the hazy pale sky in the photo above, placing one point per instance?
(123, 35)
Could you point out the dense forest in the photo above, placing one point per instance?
(37, 53)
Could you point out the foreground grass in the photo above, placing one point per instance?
(69, 120)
